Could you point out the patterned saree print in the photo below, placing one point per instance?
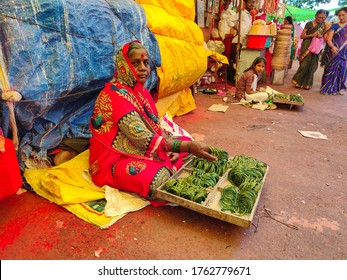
(125, 72)
(127, 149)
(335, 71)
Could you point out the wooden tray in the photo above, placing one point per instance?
(210, 206)
(286, 101)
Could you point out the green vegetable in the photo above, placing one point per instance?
(296, 98)
(281, 96)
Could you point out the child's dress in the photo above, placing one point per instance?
(250, 78)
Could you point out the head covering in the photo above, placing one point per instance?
(125, 72)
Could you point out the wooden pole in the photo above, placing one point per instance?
(238, 44)
(5, 88)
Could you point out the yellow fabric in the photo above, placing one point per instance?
(183, 56)
(184, 8)
(173, 103)
(70, 186)
(221, 58)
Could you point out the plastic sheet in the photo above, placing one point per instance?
(59, 54)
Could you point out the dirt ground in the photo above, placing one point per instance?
(305, 192)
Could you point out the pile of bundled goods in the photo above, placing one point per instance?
(281, 54)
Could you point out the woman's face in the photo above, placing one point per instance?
(321, 17)
(140, 60)
(342, 16)
(259, 67)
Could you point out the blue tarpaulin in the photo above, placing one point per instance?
(59, 54)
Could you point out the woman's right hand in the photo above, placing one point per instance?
(316, 34)
(201, 150)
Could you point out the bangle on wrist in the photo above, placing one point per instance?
(176, 146)
(189, 146)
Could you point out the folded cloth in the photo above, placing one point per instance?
(70, 186)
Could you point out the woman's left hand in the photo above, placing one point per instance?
(173, 156)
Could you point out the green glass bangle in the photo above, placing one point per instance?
(176, 146)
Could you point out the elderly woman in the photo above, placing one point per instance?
(128, 149)
(303, 77)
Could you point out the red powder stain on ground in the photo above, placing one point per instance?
(45, 245)
(14, 228)
(11, 231)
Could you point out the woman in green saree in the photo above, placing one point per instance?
(303, 77)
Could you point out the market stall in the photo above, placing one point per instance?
(259, 39)
(232, 21)
(262, 36)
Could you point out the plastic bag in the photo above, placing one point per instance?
(227, 22)
(216, 46)
(316, 45)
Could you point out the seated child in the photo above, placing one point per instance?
(247, 85)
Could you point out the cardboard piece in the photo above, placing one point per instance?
(218, 108)
(260, 106)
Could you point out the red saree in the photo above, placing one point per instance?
(127, 148)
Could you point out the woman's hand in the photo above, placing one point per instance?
(334, 50)
(316, 34)
(173, 156)
(201, 150)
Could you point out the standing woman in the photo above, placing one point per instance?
(128, 149)
(335, 72)
(303, 77)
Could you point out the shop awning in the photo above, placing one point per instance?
(301, 14)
